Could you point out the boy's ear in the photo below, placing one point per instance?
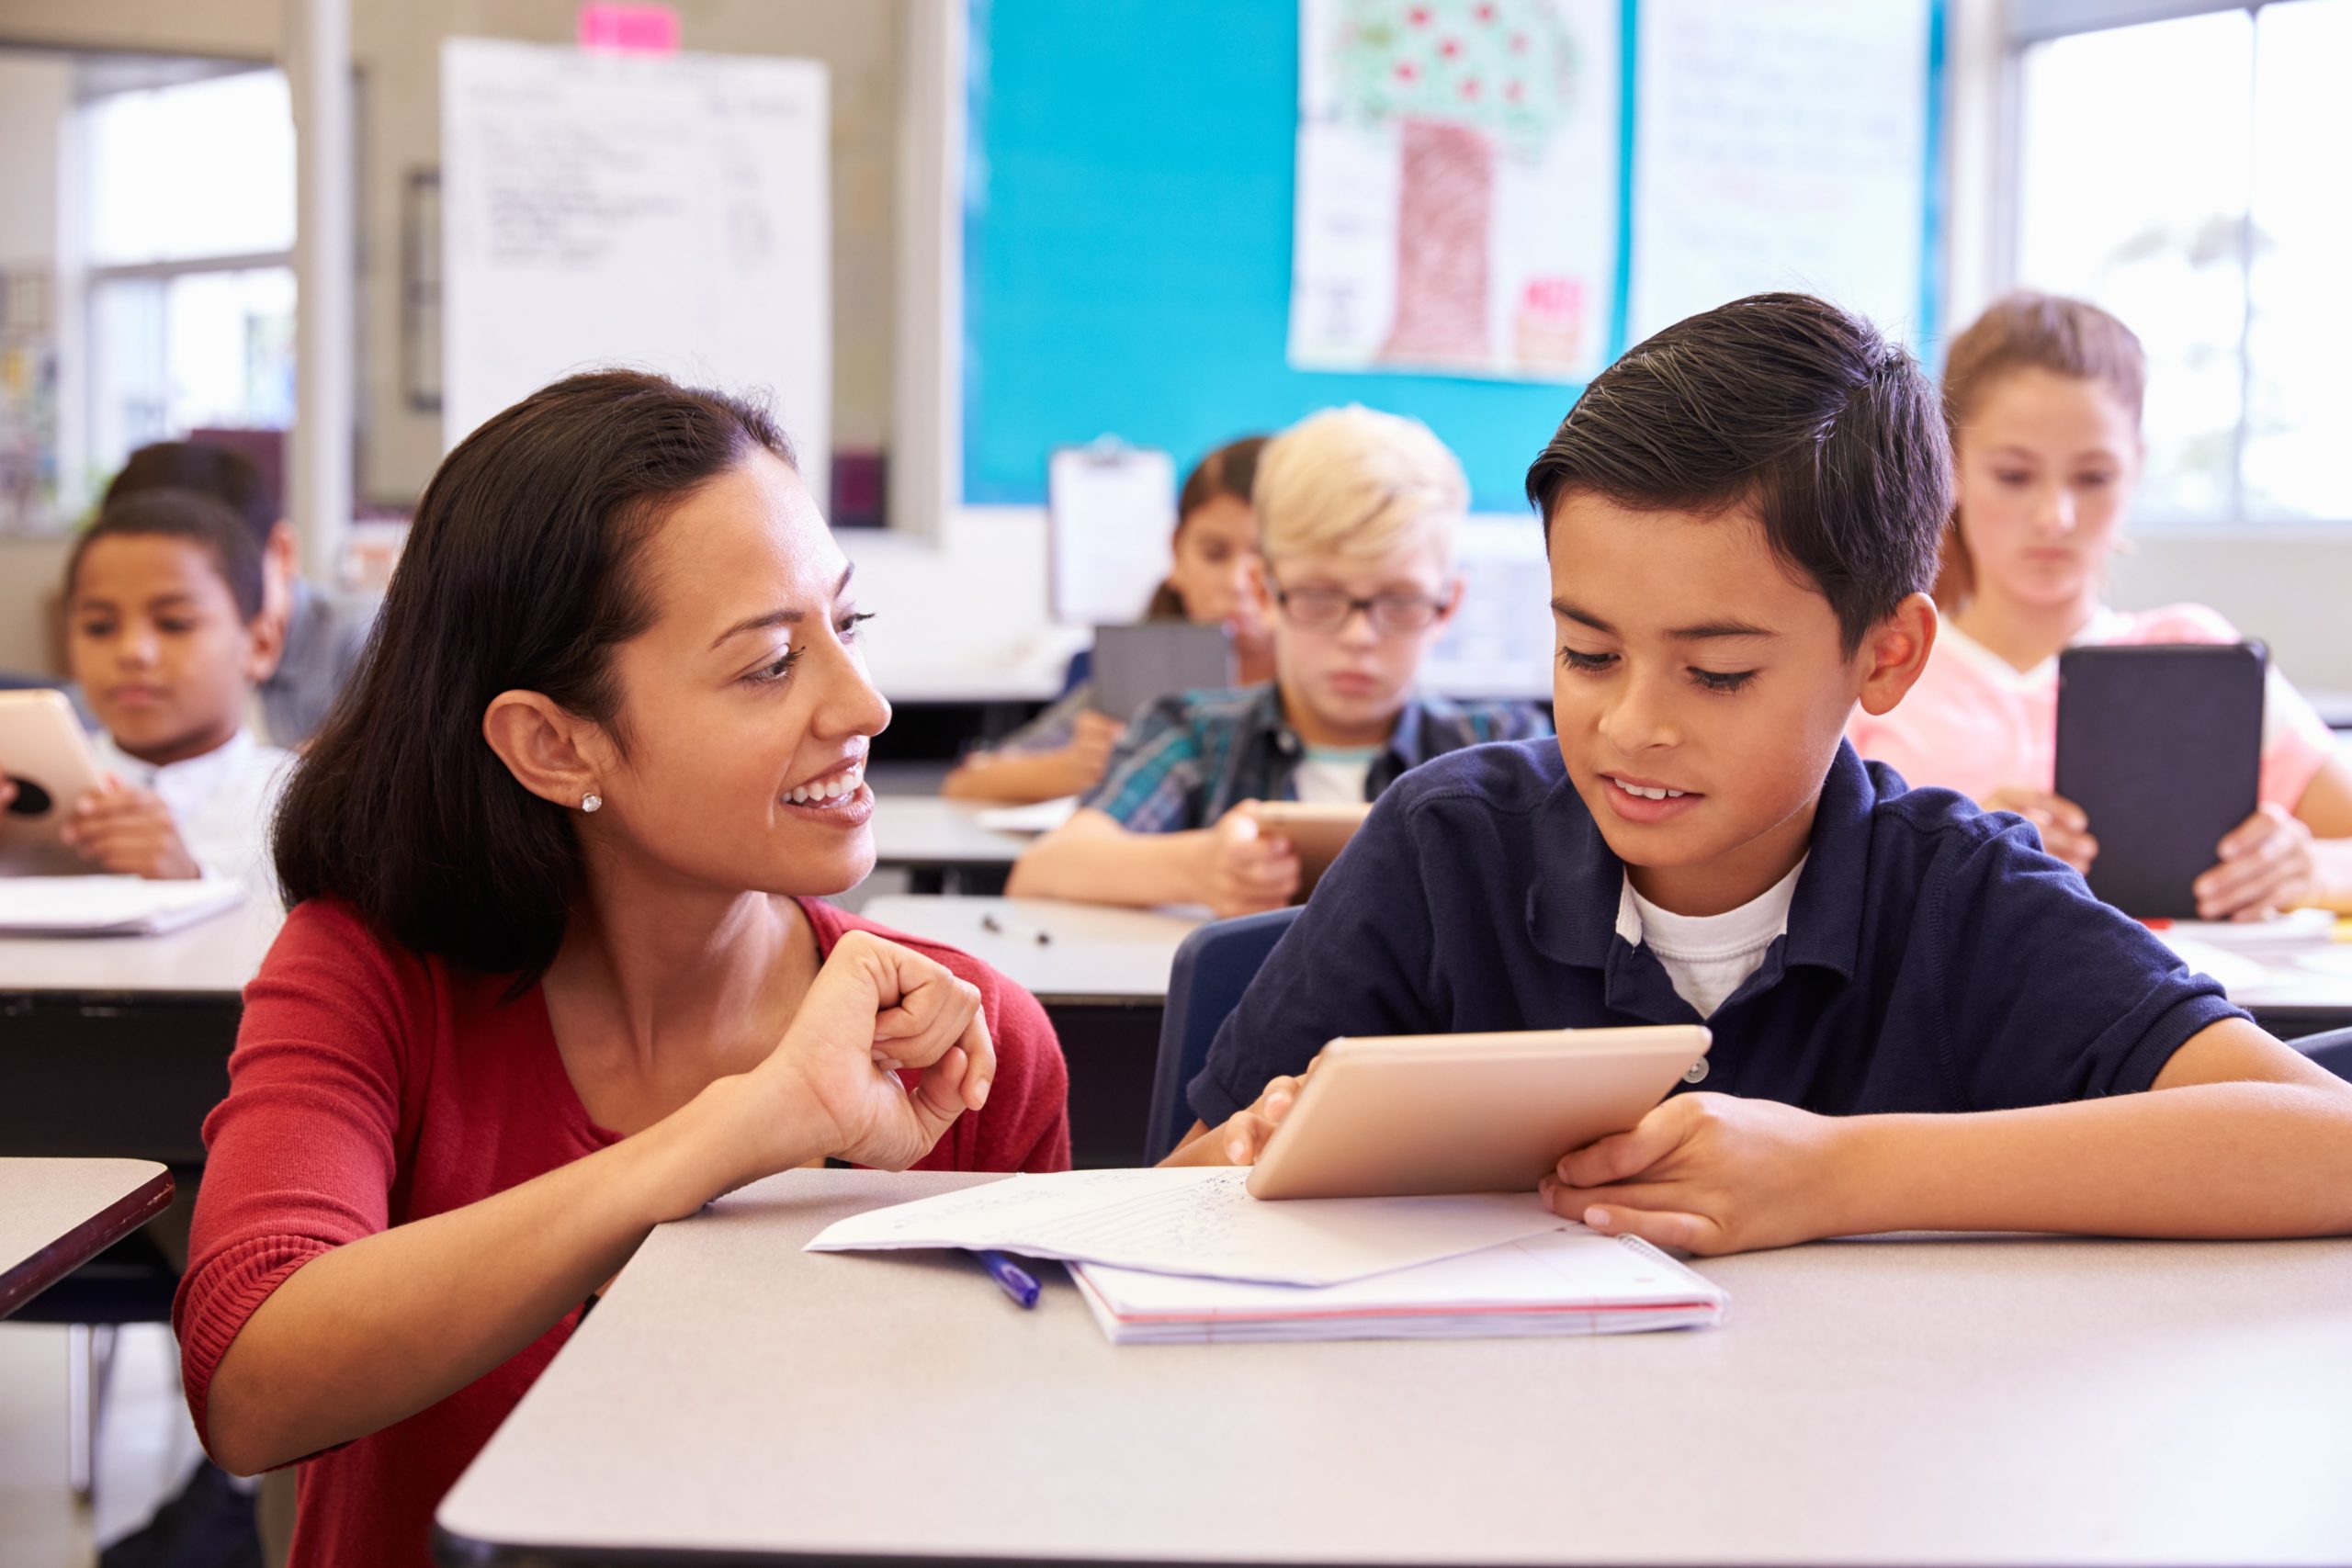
(1453, 597)
(551, 751)
(1895, 651)
(265, 646)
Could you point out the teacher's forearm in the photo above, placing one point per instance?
(375, 1330)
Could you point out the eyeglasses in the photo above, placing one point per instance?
(1328, 609)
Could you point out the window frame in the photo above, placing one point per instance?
(2026, 23)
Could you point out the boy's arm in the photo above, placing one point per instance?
(1230, 867)
(2240, 1137)
(1092, 857)
(1021, 776)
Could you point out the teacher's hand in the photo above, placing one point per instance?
(873, 1009)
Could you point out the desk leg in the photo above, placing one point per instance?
(1111, 1051)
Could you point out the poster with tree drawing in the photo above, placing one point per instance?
(1457, 186)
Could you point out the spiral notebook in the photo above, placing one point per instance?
(1567, 1281)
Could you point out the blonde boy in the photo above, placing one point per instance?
(1357, 512)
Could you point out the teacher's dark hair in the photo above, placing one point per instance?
(521, 572)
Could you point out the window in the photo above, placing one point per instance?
(188, 233)
(2186, 173)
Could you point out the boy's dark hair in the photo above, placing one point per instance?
(181, 514)
(520, 572)
(229, 477)
(1787, 404)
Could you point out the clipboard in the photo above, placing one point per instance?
(1110, 519)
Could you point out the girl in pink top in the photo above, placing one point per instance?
(2043, 395)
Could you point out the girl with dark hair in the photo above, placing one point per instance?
(1065, 748)
(556, 970)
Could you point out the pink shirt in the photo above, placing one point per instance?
(1976, 724)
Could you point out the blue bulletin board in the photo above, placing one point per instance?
(1127, 243)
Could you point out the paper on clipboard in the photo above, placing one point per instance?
(1110, 512)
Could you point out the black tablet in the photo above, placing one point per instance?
(2161, 745)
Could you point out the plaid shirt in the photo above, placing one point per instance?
(1190, 759)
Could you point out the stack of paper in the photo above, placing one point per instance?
(110, 906)
(1571, 1281)
(1042, 816)
(1164, 1256)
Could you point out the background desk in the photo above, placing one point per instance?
(1102, 976)
(120, 1045)
(57, 1214)
(1950, 1400)
(2290, 994)
(942, 844)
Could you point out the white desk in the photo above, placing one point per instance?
(213, 958)
(120, 1045)
(2296, 992)
(1964, 1400)
(1093, 953)
(926, 833)
(57, 1214)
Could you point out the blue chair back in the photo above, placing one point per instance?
(2332, 1050)
(1214, 965)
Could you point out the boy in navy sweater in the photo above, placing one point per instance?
(1921, 1021)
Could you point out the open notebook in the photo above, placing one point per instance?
(1561, 1281)
(110, 906)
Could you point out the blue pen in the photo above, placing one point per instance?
(1017, 1282)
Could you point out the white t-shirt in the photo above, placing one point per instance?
(1333, 775)
(1708, 956)
(222, 802)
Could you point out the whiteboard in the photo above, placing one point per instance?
(1781, 144)
(664, 213)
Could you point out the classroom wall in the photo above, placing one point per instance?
(34, 93)
(2285, 586)
(396, 52)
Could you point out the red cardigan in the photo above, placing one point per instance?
(370, 1086)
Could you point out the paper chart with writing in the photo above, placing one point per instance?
(1199, 1221)
(666, 212)
(1457, 186)
(1783, 144)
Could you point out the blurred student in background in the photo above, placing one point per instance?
(1358, 512)
(1064, 750)
(320, 639)
(2043, 395)
(167, 636)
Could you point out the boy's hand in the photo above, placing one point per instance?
(2266, 866)
(1709, 1173)
(2065, 831)
(1242, 1137)
(130, 832)
(1244, 871)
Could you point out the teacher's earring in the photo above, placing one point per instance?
(591, 802)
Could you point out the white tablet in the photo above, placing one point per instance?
(45, 754)
(1318, 832)
(1394, 1115)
